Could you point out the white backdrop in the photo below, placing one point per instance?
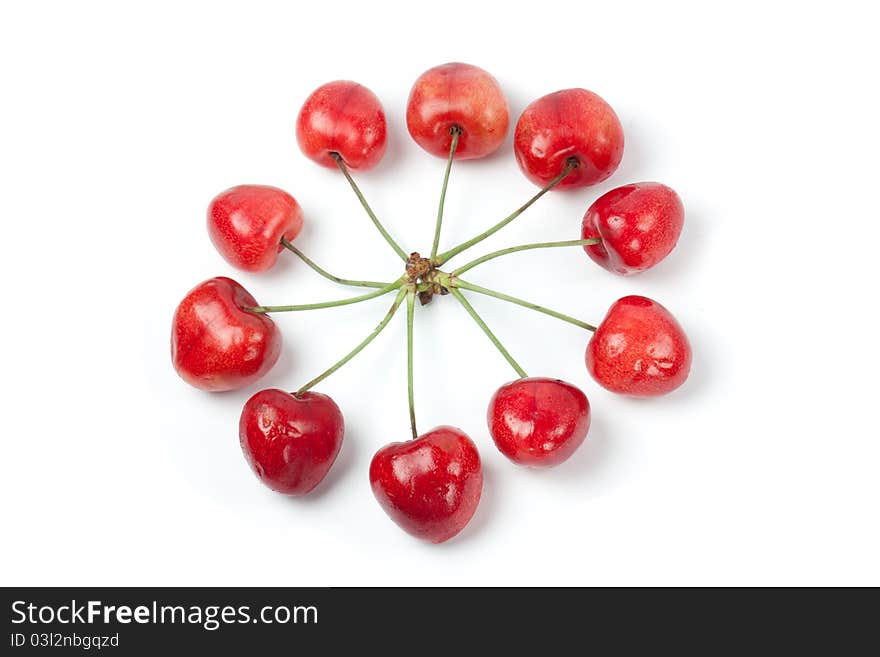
(120, 123)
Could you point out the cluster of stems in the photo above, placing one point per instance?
(430, 278)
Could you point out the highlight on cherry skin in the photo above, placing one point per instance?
(343, 118)
(639, 349)
(291, 442)
(639, 225)
(216, 344)
(537, 421)
(457, 96)
(572, 123)
(246, 224)
(431, 485)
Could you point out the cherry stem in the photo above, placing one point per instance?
(455, 131)
(329, 304)
(570, 165)
(524, 247)
(394, 245)
(342, 281)
(479, 320)
(410, 312)
(354, 352)
(526, 304)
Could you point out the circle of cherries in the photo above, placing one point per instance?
(222, 339)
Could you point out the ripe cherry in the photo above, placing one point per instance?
(215, 343)
(290, 442)
(538, 421)
(430, 486)
(639, 225)
(457, 96)
(346, 118)
(573, 123)
(246, 224)
(639, 349)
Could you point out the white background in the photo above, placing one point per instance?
(120, 123)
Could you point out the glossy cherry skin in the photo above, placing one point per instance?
(342, 117)
(429, 486)
(458, 95)
(215, 344)
(537, 421)
(246, 224)
(639, 225)
(573, 123)
(639, 349)
(289, 442)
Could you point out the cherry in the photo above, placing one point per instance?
(430, 486)
(290, 442)
(246, 224)
(572, 123)
(538, 421)
(639, 349)
(215, 343)
(343, 118)
(639, 225)
(459, 96)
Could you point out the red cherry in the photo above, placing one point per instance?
(429, 486)
(639, 225)
(215, 344)
(573, 123)
(639, 349)
(289, 442)
(246, 224)
(538, 421)
(346, 118)
(457, 95)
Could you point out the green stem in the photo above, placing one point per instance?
(342, 281)
(479, 320)
(354, 352)
(410, 312)
(570, 165)
(329, 304)
(394, 245)
(456, 134)
(526, 304)
(524, 247)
